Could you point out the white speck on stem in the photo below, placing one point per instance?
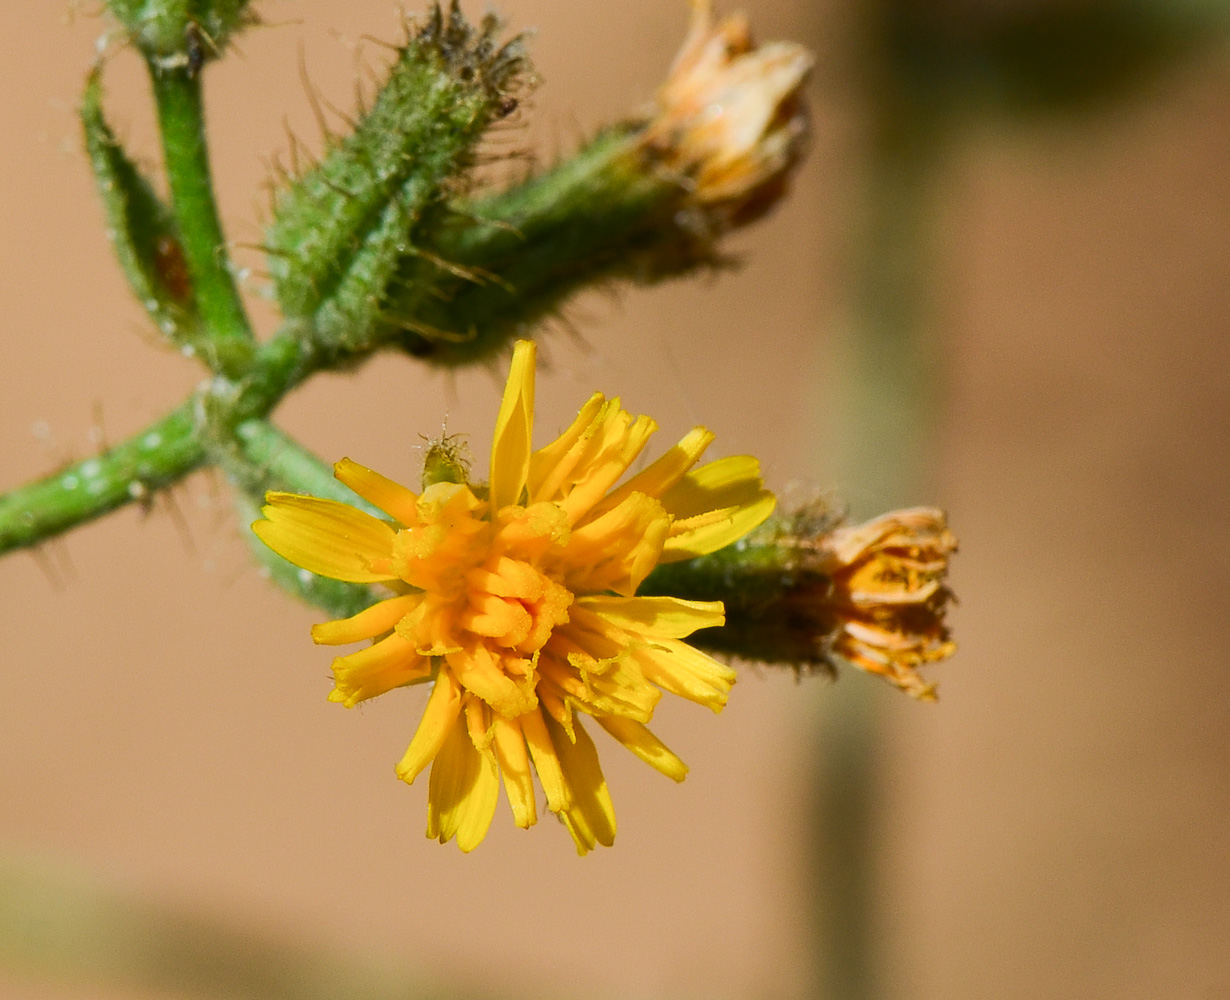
(70, 482)
(151, 441)
(91, 468)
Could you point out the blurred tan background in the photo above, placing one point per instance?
(1055, 827)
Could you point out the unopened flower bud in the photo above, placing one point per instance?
(731, 117)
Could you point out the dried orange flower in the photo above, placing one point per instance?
(888, 595)
(517, 602)
(730, 116)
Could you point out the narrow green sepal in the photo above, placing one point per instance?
(342, 229)
(181, 34)
(141, 227)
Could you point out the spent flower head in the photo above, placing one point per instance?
(731, 116)
(806, 591)
(517, 601)
(888, 595)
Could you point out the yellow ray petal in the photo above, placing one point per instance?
(656, 617)
(704, 534)
(559, 470)
(389, 664)
(514, 761)
(618, 550)
(554, 702)
(645, 745)
(548, 467)
(442, 711)
(462, 791)
(326, 537)
(728, 482)
(618, 448)
(392, 498)
(368, 623)
(620, 690)
(662, 474)
(546, 759)
(591, 816)
(510, 447)
(680, 669)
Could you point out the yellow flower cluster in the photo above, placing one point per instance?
(517, 602)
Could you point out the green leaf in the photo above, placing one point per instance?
(141, 227)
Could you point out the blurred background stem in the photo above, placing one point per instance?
(879, 427)
(63, 926)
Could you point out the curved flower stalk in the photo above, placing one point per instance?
(517, 600)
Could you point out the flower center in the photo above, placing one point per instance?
(514, 604)
(487, 580)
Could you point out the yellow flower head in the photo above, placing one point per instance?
(888, 594)
(518, 602)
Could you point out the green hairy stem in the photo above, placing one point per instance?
(499, 265)
(158, 456)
